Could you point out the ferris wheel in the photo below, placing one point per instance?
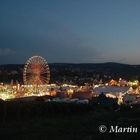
(36, 71)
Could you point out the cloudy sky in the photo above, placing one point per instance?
(70, 31)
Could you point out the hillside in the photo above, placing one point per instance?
(73, 72)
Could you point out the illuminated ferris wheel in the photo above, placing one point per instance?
(36, 71)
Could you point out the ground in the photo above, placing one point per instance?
(71, 126)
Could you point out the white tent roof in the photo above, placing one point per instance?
(108, 89)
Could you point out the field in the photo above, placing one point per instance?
(60, 121)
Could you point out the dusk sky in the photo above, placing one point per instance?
(70, 31)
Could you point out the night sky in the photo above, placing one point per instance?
(70, 31)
